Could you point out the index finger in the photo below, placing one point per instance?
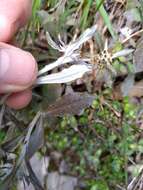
(13, 15)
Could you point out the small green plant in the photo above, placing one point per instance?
(101, 145)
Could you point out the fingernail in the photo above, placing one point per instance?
(5, 28)
(17, 70)
(4, 63)
(4, 70)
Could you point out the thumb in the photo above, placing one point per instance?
(18, 69)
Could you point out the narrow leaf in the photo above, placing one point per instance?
(36, 139)
(51, 42)
(106, 19)
(123, 52)
(33, 178)
(87, 34)
(66, 75)
(60, 61)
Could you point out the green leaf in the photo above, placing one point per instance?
(86, 8)
(100, 185)
(106, 19)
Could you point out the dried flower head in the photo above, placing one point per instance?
(71, 53)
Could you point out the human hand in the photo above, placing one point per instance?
(18, 69)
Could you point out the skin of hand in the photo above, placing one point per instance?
(18, 68)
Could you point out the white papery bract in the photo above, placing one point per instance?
(70, 54)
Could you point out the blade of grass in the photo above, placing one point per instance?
(106, 18)
(34, 22)
(35, 19)
(101, 2)
(141, 8)
(86, 8)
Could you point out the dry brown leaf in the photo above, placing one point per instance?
(70, 104)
